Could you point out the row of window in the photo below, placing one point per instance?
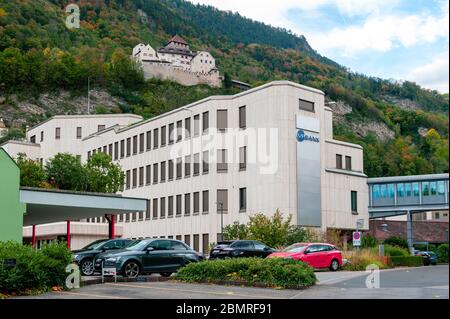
(78, 135)
(348, 162)
(168, 170)
(432, 188)
(168, 134)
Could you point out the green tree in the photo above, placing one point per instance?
(31, 172)
(270, 230)
(103, 175)
(235, 231)
(125, 71)
(65, 171)
(13, 134)
(297, 234)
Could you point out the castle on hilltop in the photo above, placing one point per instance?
(175, 61)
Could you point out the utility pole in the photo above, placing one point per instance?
(89, 97)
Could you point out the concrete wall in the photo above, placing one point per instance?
(14, 148)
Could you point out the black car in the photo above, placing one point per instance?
(146, 256)
(240, 248)
(85, 257)
(429, 257)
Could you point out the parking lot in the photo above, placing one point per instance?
(404, 283)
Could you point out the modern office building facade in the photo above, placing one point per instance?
(225, 158)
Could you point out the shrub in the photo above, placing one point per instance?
(408, 261)
(396, 241)
(442, 253)
(360, 259)
(34, 270)
(395, 251)
(369, 241)
(274, 272)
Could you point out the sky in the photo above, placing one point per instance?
(390, 39)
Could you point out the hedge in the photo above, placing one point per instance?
(34, 270)
(270, 272)
(442, 253)
(408, 261)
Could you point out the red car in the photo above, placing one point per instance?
(317, 255)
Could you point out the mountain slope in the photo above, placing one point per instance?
(39, 54)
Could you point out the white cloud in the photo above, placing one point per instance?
(433, 75)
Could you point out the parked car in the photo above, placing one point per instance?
(317, 255)
(85, 257)
(429, 257)
(240, 248)
(146, 256)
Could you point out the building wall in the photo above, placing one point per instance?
(11, 210)
(14, 148)
(203, 62)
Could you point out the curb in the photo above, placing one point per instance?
(245, 284)
(98, 281)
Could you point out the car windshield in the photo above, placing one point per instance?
(431, 253)
(137, 245)
(95, 245)
(294, 248)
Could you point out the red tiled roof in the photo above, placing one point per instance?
(178, 39)
(423, 231)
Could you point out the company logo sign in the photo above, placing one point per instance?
(302, 136)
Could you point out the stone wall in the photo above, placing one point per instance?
(167, 72)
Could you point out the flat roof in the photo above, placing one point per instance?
(408, 178)
(49, 205)
(217, 98)
(20, 142)
(81, 116)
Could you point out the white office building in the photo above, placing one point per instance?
(225, 158)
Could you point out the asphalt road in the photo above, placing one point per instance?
(422, 282)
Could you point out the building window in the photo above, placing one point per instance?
(155, 208)
(78, 132)
(141, 176)
(196, 125)
(187, 127)
(425, 188)
(128, 179)
(354, 202)
(196, 203)
(163, 136)
(196, 164)
(116, 151)
(178, 208)
(348, 163)
(243, 158)
(122, 148)
(222, 201)
(242, 117)
(436, 215)
(104, 149)
(128, 146)
(222, 120)
(33, 139)
(187, 204)
(205, 202)
(170, 207)
(162, 211)
(179, 131)
(242, 199)
(155, 173)
(163, 171)
(187, 166)
(196, 242)
(179, 168)
(58, 133)
(171, 133)
(100, 128)
(187, 240)
(141, 142)
(170, 170)
(134, 177)
(149, 140)
(205, 162)
(205, 243)
(155, 138)
(222, 165)
(148, 174)
(205, 124)
(338, 161)
(306, 105)
(135, 141)
(42, 136)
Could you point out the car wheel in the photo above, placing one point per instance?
(166, 274)
(334, 266)
(131, 269)
(87, 267)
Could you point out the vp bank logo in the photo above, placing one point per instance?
(302, 136)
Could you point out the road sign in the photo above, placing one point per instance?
(357, 238)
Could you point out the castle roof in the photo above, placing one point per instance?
(177, 39)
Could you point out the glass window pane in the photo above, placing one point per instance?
(408, 190)
(441, 187)
(433, 188)
(391, 190)
(425, 188)
(400, 190)
(416, 189)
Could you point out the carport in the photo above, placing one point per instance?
(45, 206)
